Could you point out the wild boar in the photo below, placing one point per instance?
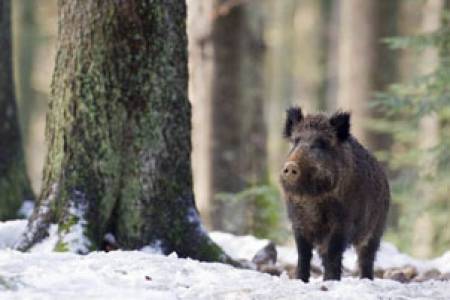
(336, 192)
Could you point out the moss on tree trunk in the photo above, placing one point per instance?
(118, 130)
(14, 183)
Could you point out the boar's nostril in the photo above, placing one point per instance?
(290, 171)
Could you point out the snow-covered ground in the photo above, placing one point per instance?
(42, 274)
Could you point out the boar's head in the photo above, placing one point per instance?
(319, 154)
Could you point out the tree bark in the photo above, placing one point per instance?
(226, 52)
(27, 35)
(428, 136)
(201, 70)
(238, 129)
(281, 44)
(118, 130)
(308, 55)
(356, 55)
(14, 183)
(365, 64)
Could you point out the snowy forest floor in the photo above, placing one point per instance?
(146, 274)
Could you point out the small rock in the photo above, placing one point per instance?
(323, 288)
(410, 272)
(403, 274)
(266, 256)
(445, 277)
(316, 271)
(290, 270)
(272, 270)
(378, 273)
(246, 264)
(428, 275)
(395, 274)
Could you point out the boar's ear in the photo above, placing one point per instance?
(293, 116)
(341, 123)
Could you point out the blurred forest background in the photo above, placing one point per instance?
(388, 62)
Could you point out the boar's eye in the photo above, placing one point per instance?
(296, 141)
(320, 144)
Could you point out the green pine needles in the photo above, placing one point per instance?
(421, 173)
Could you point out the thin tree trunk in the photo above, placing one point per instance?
(201, 70)
(365, 64)
(428, 135)
(27, 33)
(356, 53)
(14, 183)
(227, 93)
(280, 90)
(118, 130)
(332, 62)
(308, 54)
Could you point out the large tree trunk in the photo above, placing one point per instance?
(14, 183)
(118, 129)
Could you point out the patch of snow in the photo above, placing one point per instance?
(26, 209)
(10, 232)
(154, 248)
(49, 243)
(245, 247)
(43, 274)
(442, 263)
(36, 224)
(139, 275)
(110, 238)
(75, 238)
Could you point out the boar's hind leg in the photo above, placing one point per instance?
(332, 257)
(304, 249)
(366, 257)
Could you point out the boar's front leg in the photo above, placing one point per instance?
(366, 257)
(332, 257)
(304, 249)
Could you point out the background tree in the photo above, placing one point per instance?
(27, 34)
(295, 68)
(14, 183)
(364, 64)
(227, 88)
(118, 129)
(419, 123)
(302, 42)
(238, 129)
(201, 70)
(34, 27)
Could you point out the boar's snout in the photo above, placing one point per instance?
(290, 172)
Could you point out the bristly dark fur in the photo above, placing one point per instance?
(339, 195)
(341, 122)
(293, 116)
